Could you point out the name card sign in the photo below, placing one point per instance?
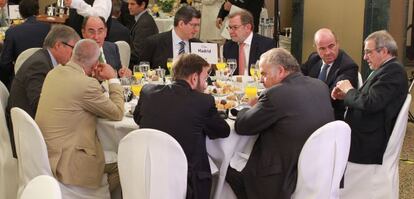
(208, 51)
(14, 12)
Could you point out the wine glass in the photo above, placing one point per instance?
(126, 84)
(160, 72)
(136, 87)
(137, 73)
(221, 67)
(144, 67)
(232, 65)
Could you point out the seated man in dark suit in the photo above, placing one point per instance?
(158, 108)
(144, 26)
(118, 32)
(95, 28)
(330, 64)
(373, 109)
(29, 34)
(291, 108)
(158, 48)
(245, 46)
(28, 82)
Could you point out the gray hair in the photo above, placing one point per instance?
(383, 39)
(86, 53)
(60, 33)
(280, 56)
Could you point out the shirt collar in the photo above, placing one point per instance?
(248, 40)
(176, 38)
(54, 62)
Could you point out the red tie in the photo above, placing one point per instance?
(242, 59)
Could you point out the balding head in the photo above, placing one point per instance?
(326, 45)
(94, 28)
(86, 54)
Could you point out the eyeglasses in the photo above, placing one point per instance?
(66, 44)
(369, 51)
(194, 25)
(235, 27)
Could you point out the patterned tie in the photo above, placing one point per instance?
(181, 50)
(322, 74)
(242, 59)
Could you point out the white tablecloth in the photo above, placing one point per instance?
(220, 151)
(164, 24)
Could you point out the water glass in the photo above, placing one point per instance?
(232, 63)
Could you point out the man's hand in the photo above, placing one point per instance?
(68, 3)
(227, 6)
(342, 87)
(104, 72)
(219, 23)
(124, 72)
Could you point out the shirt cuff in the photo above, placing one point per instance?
(114, 81)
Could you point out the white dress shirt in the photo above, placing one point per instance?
(176, 44)
(99, 8)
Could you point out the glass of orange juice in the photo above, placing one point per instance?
(170, 65)
(250, 90)
(136, 89)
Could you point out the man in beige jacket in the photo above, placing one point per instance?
(70, 101)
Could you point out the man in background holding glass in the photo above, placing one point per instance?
(184, 111)
(245, 46)
(291, 108)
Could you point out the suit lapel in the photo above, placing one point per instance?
(169, 45)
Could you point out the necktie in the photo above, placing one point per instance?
(3, 21)
(322, 74)
(102, 57)
(242, 59)
(181, 50)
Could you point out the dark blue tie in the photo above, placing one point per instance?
(181, 50)
(322, 74)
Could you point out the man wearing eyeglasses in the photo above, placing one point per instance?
(330, 64)
(158, 48)
(28, 82)
(245, 46)
(373, 109)
(95, 28)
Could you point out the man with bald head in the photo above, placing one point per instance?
(69, 105)
(330, 64)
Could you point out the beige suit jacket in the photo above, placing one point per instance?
(69, 105)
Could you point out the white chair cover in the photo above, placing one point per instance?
(379, 181)
(33, 159)
(322, 162)
(152, 165)
(124, 52)
(22, 57)
(360, 81)
(8, 164)
(43, 186)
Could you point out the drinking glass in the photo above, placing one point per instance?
(161, 74)
(136, 87)
(251, 90)
(126, 84)
(232, 63)
(144, 67)
(137, 73)
(221, 67)
(169, 65)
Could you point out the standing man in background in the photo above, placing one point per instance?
(144, 26)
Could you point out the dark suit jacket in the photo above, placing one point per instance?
(284, 119)
(343, 68)
(259, 45)
(29, 34)
(26, 86)
(118, 32)
(158, 107)
(372, 111)
(157, 49)
(143, 28)
(112, 56)
(253, 6)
